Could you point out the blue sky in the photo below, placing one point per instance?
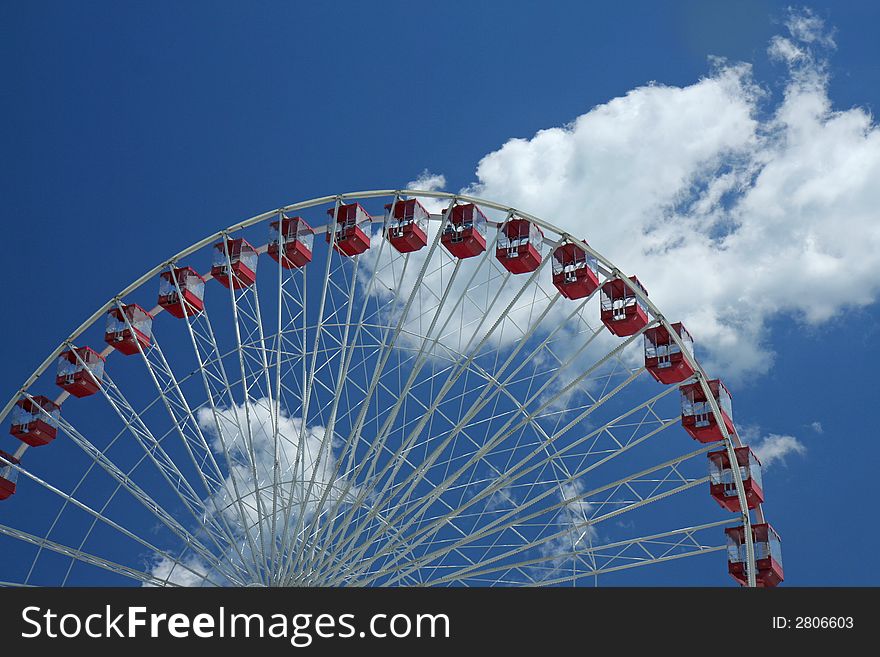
(132, 130)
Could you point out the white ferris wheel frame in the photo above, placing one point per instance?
(605, 267)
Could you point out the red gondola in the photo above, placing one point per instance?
(721, 482)
(664, 359)
(296, 238)
(242, 257)
(768, 555)
(192, 287)
(351, 235)
(623, 313)
(8, 475)
(407, 230)
(35, 420)
(80, 371)
(575, 274)
(124, 339)
(696, 412)
(464, 235)
(519, 245)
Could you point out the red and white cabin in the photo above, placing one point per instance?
(243, 260)
(295, 238)
(519, 245)
(80, 371)
(721, 481)
(697, 417)
(192, 289)
(8, 475)
(407, 230)
(768, 555)
(124, 339)
(623, 313)
(35, 420)
(575, 274)
(351, 236)
(664, 359)
(464, 235)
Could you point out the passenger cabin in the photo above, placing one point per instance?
(406, 225)
(664, 358)
(519, 245)
(238, 255)
(351, 235)
(191, 287)
(291, 239)
(722, 485)
(35, 420)
(8, 475)
(697, 417)
(575, 273)
(80, 371)
(464, 234)
(623, 313)
(128, 329)
(768, 555)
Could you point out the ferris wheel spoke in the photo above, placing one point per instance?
(485, 398)
(645, 562)
(513, 474)
(120, 485)
(347, 450)
(153, 448)
(99, 458)
(575, 526)
(99, 516)
(644, 543)
(395, 464)
(84, 557)
(276, 407)
(217, 389)
(216, 563)
(211, 561)
(241, 317)
(345, 354)
(385, 353)
(345, 358)
(180, 413)
(308, 381)
(190, 432)
(519, 471)
(416, 416)
(509, 427)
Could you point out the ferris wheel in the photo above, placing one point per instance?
(450, 392)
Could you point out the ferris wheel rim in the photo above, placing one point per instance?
(609, 267)
(730, 439)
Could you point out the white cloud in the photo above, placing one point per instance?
(817, 427)
(732, 211)
(774, 448)
(244, 503)
(189, 571)
(301, 460)
(572, 518)
(427, 182)
(804, 25)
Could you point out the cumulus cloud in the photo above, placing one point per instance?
(805, 26)
(243, 436)
(817, 427)
(189, 571)
(427, 182)
(252, 452)
(571, 519)
(774, 448)
(733, 210)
